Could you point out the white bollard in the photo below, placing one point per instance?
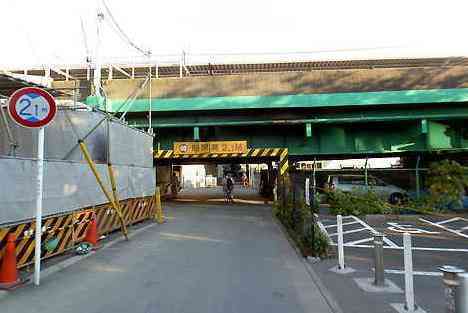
(409, 288)
(339, 221)
(306, 191)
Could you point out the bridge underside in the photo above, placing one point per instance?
(334, 113)
(324, 134)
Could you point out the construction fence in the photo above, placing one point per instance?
(62, 232)
(119, 156)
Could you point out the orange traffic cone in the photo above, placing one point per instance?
(91, 233)
(9, 277)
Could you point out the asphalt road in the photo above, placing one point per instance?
(206, 258)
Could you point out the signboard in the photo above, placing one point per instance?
(213, 147)
(32, 107)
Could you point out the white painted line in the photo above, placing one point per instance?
(463, 228)
(344, 224)
(373, 231)
(414, 248)
(420, 273)
(390, 243)
(351, 231)
(445, 228)
(358, 241)
(440, 249)
(454, 219)
(322, 228)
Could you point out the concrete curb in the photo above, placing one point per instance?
(332, 303)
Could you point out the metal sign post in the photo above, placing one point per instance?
(39, 196)
(34, 108)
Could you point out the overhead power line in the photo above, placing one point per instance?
(119, 30)
(85, 41)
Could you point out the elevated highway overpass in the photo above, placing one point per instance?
(315, 109)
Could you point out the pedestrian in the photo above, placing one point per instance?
(245, 180)
(175, 185)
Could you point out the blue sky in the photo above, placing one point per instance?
(49, 31)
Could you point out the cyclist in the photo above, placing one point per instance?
(228, 187)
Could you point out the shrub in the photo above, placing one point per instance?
(356, 203)
(297, 220)
(315, 238)
(446, 181)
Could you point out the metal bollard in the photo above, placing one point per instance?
(378, 260)
(451, 282)
(461, 298)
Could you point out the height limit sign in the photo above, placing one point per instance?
(34, 108)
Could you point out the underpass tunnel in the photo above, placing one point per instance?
(205, 181)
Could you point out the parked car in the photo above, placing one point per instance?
(357, 183)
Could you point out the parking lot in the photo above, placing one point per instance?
(436, 240)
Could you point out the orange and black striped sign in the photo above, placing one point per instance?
(279, 153)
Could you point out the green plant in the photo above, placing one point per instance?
(357, 203)
(446, 182)
(314, 238)
(315, 203)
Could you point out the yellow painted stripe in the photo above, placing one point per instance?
(28, 252)
(266, 152)
(19, 230)
(275, 152)
(3, 233)
(255, 152)
(284, 168)
(284, 154)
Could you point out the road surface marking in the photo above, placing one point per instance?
(420, 273)
(365, 227)
(454, 219)
(406, 228)
(444, 227)
(401, 248)
(390, 243)
(351, 231)
(349, 244)
(344, 224)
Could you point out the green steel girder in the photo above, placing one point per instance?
(318, 100)
(176, 120)
(381, 138)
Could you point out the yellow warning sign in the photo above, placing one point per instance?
(213, 147)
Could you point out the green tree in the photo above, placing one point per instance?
(446, 181)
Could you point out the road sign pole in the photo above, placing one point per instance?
(39, 196)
